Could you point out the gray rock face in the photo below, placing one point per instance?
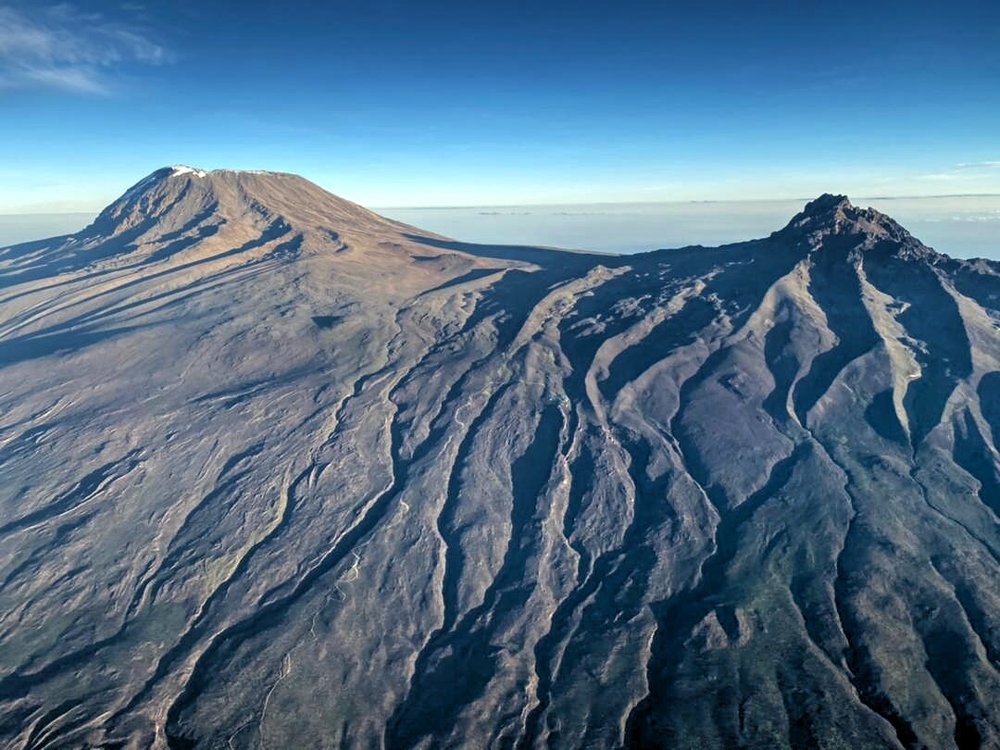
(278, 472)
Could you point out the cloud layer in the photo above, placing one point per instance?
(62, 48)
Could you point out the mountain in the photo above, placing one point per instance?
(277, 471)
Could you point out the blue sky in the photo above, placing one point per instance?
(445, 102)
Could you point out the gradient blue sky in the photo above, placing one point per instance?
(450, 102)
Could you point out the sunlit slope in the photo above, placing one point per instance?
(277, 471)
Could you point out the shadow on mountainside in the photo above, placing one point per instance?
(541, 256)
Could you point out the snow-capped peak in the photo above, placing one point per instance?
(183, 169)
(161, 174)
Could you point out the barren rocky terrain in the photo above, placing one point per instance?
(278, 472)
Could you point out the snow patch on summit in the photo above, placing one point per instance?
(182, 169)
(160, 174)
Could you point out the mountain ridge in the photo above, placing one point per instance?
(259, 488)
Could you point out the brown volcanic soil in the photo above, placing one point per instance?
(278, 472)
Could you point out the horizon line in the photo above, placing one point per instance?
(688, 201)
(555, 204)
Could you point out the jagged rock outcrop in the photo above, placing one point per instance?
(278, 471)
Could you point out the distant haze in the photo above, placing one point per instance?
(15, 228)
(961, 226)
(965, 226)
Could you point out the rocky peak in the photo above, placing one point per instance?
(826, 204)
(833, 221)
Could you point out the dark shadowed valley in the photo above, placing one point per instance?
(278, 472)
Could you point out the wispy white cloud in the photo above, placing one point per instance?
(60, 47)
(969, 173)
(977, 165)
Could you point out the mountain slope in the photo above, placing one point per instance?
(277, 470)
